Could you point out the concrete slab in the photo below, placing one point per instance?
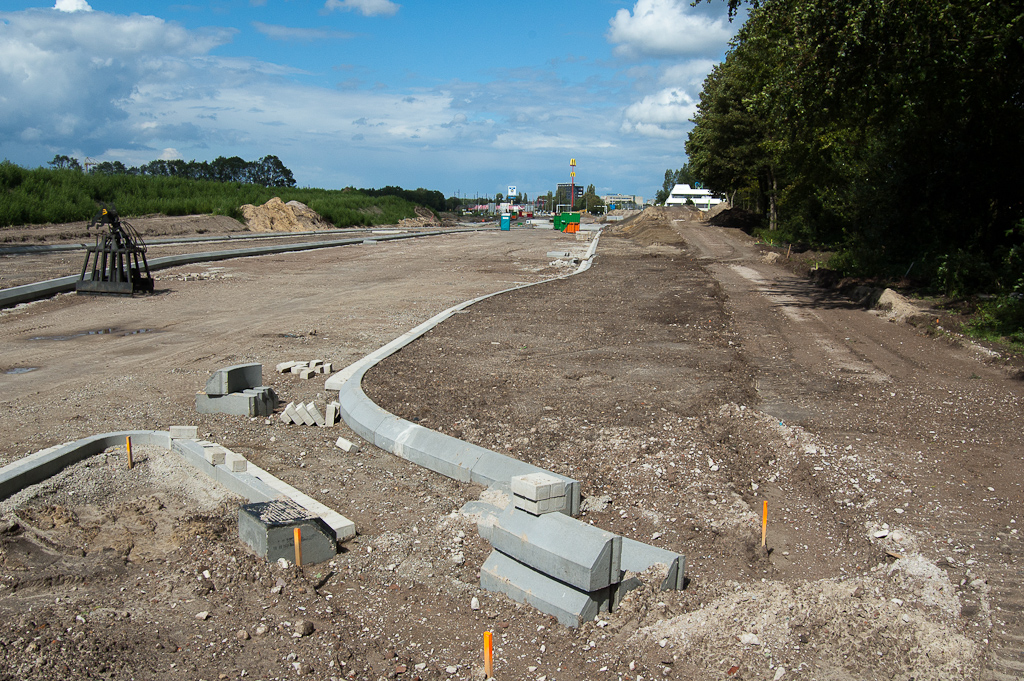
(236, 463)
(537, 486)
(234, 379)
(303, 414)
(214, 454)
(561, 547)
(189, 432)
(552, 505)
(268, 528)
(318, 418)
(522, 584)
(346, 445)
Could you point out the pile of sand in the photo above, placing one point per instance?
(424, 218)
(277, 216)
(654, 225)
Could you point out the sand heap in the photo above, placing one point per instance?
(654, 225)
(424, 218)
(277, 216)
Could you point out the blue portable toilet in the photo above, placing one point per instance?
(506, 222)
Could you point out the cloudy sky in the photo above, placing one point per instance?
(461, 96)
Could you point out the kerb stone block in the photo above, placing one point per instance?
(234, 379)
(561, 547)
(572, 607)
(184, 432)
(318, 418)
(269, 529)
(303, 414)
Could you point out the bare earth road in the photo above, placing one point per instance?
(681, 379)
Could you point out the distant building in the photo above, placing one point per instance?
(623, 201)
(564, 189)
(701, 198)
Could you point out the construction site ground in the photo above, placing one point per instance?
(685, 379)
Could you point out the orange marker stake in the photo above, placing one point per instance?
(488, 654)
(764, 524)
(128, 444)
(298, 546)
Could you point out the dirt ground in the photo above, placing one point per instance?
(683, 379)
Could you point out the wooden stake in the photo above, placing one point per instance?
(298, 546)
(488, 655)
(128, 444)
(764, 524)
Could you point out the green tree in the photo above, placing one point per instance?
(62, 162)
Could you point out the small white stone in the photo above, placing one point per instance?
(881, 534)
(451, 669)
(779, 673)
(749, 639)
(474, 604)
(898, 510)
(204, 615)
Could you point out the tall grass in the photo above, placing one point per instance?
(42, 195)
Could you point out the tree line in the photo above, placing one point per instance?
(268, 171)
(890, 131)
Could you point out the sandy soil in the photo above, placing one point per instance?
(682, 379)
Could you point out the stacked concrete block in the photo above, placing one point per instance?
(562, 566)
(309, 414)
(538, 493)
(237, 390)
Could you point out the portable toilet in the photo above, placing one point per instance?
(506, 222)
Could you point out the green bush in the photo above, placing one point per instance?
(47, 195)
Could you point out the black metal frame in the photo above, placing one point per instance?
(118, 259)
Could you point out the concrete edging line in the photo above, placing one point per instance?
(45, 463)
(44, 289)
(254, 484)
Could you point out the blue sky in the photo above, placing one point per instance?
(462, 97)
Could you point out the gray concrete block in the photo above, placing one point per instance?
(235, 404)
(303, 414)
(561, 547)
(273, 402)
(522, 584)
(293, 415)
(328, 367)
(551, 505)
(234, 379)
(298, 367)
(346, 445)
(318, 418)
(268, 528)
(285, 416)
(331, 414)
(284, 367)
(189, 432)
(314, 363)
(362, 415)
(235, 463)
(537, 486)
(638, 557)
(307, 373)
(214, 454)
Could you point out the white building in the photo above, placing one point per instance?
(701, 198)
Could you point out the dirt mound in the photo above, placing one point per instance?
(737, 218)
(424, 218)
(277, 216)
(716, 209)
(654, 225)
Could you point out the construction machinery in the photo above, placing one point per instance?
(116, 264)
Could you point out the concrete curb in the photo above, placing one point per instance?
(45, 463)
(254, 483)
(50, 287)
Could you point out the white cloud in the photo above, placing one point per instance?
(65, 77)
(666, 28)
(72, 6)
(368, 8)
(305, 35)
(665, 114)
